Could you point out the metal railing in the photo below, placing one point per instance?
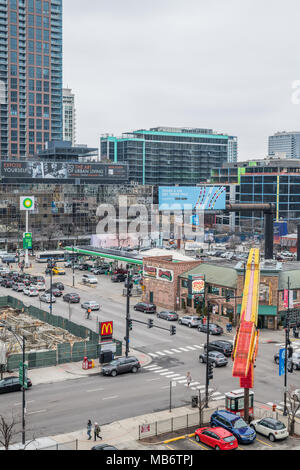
(71, 445)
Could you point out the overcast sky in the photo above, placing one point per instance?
(223, 64)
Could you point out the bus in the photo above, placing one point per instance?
(44, 256)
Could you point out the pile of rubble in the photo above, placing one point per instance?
(39, 335)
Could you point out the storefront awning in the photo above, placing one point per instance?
(263, 310)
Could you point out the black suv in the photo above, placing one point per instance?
(72, 298)
(12, 384)
(6, 283)
(225, 347)
(121, 366)
(145, 308)
(58, 285)
(119, 277)
(214, 329)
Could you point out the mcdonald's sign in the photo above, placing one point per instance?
(106, 330)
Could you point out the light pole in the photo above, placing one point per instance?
(73, 265)
(287, 346)
(128, 310)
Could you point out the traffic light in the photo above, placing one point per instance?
(197, 301)
(210, 371)
(173, 330)
(150, 323)
(290, 352)
(130, 325)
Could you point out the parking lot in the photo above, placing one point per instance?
(261, 443)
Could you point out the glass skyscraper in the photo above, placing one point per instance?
(30, 76)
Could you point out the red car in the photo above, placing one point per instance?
(218, 438)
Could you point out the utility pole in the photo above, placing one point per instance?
(73, 264)
(287, 344)
(23, 395)
(128, 310)
(207, 356)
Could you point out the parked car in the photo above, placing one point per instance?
(30, 291)
(58, 285)
(217, 359)
(272, 428)
(225, 347)
(104, 447)
(91, 304)
(190, 321)
(166, 315)
(6, 283)
(214, 329)
(99, 270)
(121, 366)
(72, 298)
(234, 424)
(47, 299)
(55, 292)
(120, 271)
(217, 438)
(293, 362)
(85, 267)
(18, 287)
(36, 279)
(145, 308)
(40, 286)
(12, 384)
(118, 277)
(88, 279)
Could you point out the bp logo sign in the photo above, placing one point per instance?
(27, 203)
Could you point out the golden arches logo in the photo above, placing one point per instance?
(107, 329)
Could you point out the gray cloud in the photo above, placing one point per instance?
(225, 64)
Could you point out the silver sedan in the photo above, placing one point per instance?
(90, 304)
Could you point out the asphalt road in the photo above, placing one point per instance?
(64, 407)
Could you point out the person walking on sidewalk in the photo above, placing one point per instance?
(89, 429)
(188, 379)
(97, 431)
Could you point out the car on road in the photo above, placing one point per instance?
(119, 277)
(88, 279)
(55, 292)
(99, 270)
(94, 306)
(214, 329)
(58, 271)
(104, 447)
(12, 384)
(30, 291)
(58, 285)
(85, 267)
(234, 424)
(190, 321)
(47, 299)
(293, 362)
(18, 287)
(217, 438)
(121, 366)
(36, 279)
(272, 428)
(40, 286)
(222, 346)
(167, 315)
(217, 359)
(145, 308)
(72, 298)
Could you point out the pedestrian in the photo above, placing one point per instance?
(88, 313)
(97, 431)
(89, 429)
(188, 379)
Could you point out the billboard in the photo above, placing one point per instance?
(158, 274)
(196, 284)
(201, 198)
(64, 170)
(106, 330)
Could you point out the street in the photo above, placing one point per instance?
(64, 407)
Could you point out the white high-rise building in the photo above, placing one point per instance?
(69, 116)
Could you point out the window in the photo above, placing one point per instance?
(46, 87)
(38, 33)
(31, 46)
(39, 60)
(38, 46)
(31, 98)
(39, 98)
(31, 85)
(13, 43)
(13, 17)
(39, 124)
(31, 59)
(31, 110)
(31, 20)
(46, 60)
(39, 21)
(14, 135)
(31, 72)
(14, 83)
(14, 149)
(13, 57)
(30, 33)
(14, 122)
(14, 109)
(38, 72)
(38, 111)
(39, 85)
(14, 96)
(31, 123)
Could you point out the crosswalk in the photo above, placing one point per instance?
(178, 350)
(181, 380)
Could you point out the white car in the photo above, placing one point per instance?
(40, 286)
(91, 304)
(270, 427)
(88, 279)
(31, 292)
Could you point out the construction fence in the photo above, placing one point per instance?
(65, 352)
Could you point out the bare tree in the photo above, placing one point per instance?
(7, 430)
(202, 403)
(293, 400)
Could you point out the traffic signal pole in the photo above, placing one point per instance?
(207, 357)
(128, 311)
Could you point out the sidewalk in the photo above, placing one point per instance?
(72, 371)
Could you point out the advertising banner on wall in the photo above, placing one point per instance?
(196, 285)
(63, 170)
(202, 198)
(158, 273)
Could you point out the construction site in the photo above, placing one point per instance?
(39, 336)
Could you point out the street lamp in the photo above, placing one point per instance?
(23, 347)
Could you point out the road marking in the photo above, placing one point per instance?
(153, 355)
(167, 373)
(95, 390)
(172, 376)
(110, 398)
(219, 398)
(184, 349)
(36, 412)
(27, 402)
(262, 442)
(176, 350)
(152, 380)
(191, 348)
(151, 369)
(160, 353)
(198, 444)
(198, 346)
(171, 448)
(159, 371)
(168, 352)
(182, 381)
(179, 378)
(192, 384)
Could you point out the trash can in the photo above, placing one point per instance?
(194, 401)
(296, 334)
